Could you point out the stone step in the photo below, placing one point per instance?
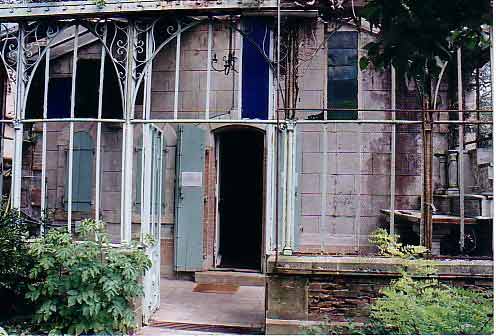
(232, 278)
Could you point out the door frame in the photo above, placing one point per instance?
(151, 214)
(216, 133)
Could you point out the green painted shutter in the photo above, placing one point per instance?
(82, 173)
(189, 199)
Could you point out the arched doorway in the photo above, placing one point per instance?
(240, 201)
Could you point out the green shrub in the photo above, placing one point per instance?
(85, 286)
(389, 246)
(417, 303)
(419, 307)
(15, 264)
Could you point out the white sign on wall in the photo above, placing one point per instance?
(191, 179)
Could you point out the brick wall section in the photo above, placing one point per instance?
(209, 209)
(341, 298)
(306, 290)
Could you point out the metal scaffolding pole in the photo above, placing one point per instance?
(178, 62)
(392, 189)
(18, 126)
(461, 137)
(43, 185)
(289, 190)
(71, 127)
(99, 129)
(323, 180)
(128, 137)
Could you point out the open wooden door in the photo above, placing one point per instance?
(151, 213)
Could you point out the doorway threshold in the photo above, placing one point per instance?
(235, 269)
(237, 278)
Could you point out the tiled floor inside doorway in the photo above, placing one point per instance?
(184, 308)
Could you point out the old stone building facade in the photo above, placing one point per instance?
(188, 128)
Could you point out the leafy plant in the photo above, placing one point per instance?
(420, 307)
(15, 264)
(85, 286)
(417, 303)
(388, 245)
(418, 37)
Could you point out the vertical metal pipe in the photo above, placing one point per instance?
(493, 92)
(18, 126)
(99, 128)
(323, 180)
(357, 221)
(284, 176)
(290, 192)
(392, 190)
(178, 63)
(209, 66)
(240, 75)
(278, 61)
(461, 140)
(146, 153)
(360, 116)
(71, 127)
(44, 139)
(127, 139)
(324, 163)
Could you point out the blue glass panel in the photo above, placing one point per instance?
(343, 73)
(255, 78)
(59, 98)
(343, 40)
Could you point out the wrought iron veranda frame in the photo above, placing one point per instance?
(132, 44)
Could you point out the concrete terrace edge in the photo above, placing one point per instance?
(374, 266)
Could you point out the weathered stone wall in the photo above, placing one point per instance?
(342, 297)
(345, 169)
(338, 202)
(339, 289)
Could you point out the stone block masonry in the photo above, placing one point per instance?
(306, 290)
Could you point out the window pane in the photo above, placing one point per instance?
(343, 39)
(342, 74)
(343, 93)
(342, 57)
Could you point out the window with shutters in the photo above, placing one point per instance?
(342, 75)
(82, 173)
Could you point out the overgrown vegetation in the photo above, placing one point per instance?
(418, 303)
(421, 37)
(85, 286)
(15, 264)
(388, 245)
(59, 285)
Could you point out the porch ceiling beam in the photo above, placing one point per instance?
(29, 10)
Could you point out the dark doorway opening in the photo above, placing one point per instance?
(241, 157)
